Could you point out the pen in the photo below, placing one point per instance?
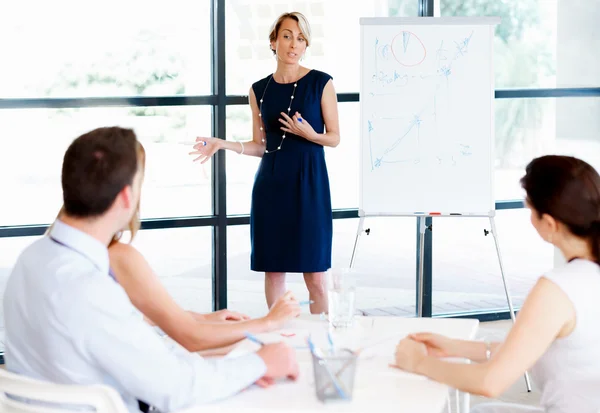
(307, 302)
(254, 339)
(331, 345)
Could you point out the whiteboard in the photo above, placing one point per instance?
(427, 116)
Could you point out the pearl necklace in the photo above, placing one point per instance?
(260, 114)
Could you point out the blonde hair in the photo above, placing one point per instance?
(299, 18)
(134, 223)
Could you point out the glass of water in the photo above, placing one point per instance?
(341, 294)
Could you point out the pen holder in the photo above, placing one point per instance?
(334, 375)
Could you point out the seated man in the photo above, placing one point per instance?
(68, 321)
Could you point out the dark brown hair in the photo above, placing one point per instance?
(96, 167)
(568, 190)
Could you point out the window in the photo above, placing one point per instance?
(527, 128)
(182, 258)
(466, 273)
(343, 161)
(335, 47)
(525, 41)
(72, 48)
(240, 169)
(34, 141)
(385, 264)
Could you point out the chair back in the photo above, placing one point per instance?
(23, 394)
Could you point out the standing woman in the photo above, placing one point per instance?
(294, 115)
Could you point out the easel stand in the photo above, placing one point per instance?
(422, 229)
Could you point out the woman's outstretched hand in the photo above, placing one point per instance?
(205, 148)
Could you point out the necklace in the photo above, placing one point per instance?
(263, 123)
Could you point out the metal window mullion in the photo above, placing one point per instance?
(219, 190)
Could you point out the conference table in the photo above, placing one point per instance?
(377, 386)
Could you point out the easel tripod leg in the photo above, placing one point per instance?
(358, 232)
(508, 299)
(422, 229)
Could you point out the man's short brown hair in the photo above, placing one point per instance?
(96, 167)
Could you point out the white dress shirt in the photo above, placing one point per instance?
(67, 321)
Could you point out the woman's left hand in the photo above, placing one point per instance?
(297, 125)
(225, 315)
(409, 353)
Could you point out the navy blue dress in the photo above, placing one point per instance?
(291, 227)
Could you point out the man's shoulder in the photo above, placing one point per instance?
(69, 282)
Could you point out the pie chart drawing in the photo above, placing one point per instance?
(408, 49)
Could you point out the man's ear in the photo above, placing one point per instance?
(126, 197)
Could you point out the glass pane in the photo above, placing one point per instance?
(527, 128)
(335, 37)
(576, 32)
(342, 161)
(240, 169)
(526, 40)
(245, 288)
(385, 262)
(33, 143)
(466, 273)
(11, 248)
(185, 266)
(116, 49)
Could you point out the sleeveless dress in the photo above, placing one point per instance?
(291, 227)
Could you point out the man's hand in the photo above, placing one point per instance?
(280, 360)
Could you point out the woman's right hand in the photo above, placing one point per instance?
(437, 345)
(284, 309)
(205, 148)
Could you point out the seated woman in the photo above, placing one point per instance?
(193, 331)
(556, 333)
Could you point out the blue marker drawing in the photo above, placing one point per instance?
(445, 71)
(440, 52)
(465, 150)
(405, 39)
(464, 45)
(393, 140)
(370, 143)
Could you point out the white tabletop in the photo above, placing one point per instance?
(377, 388)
